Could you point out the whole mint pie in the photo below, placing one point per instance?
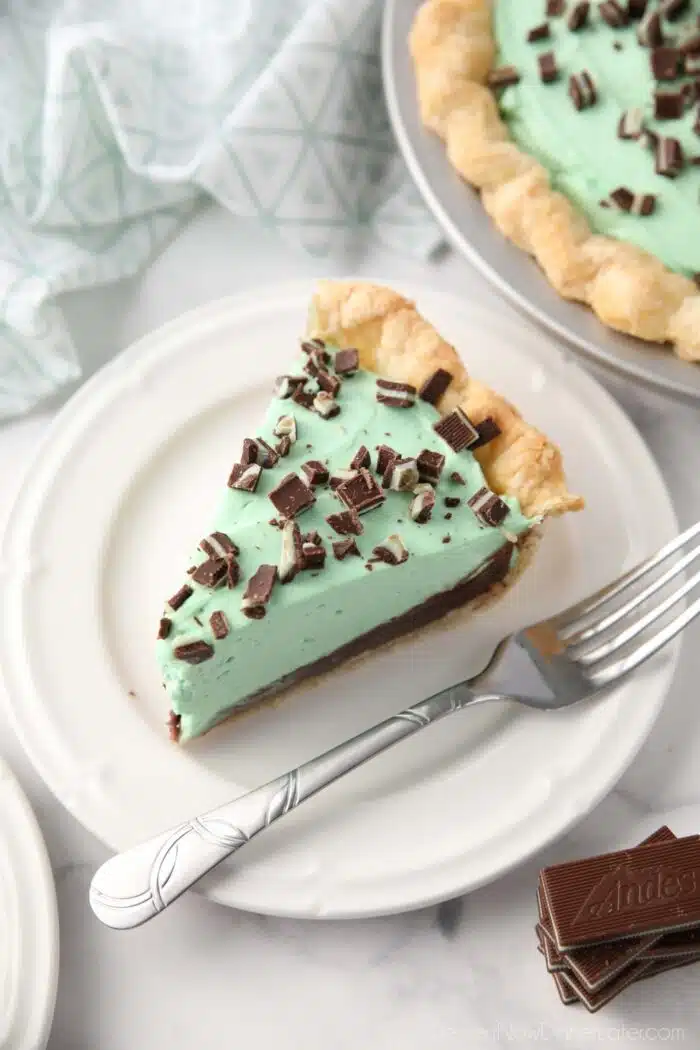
(384, 490)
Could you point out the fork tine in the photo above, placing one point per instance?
(578, 638)
(608, 675)
(605, 649)
(568, 621)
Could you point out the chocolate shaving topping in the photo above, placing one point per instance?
(447, 538)
(395, 395)
(314, 555)
(649, 31)
(547, 64)
(219, 624)
(347, 361)
(435, 386)
(292, 556)
(211, 572)
(555, 8)
(503, 77)
(258, 590)
(539, 32)
(391, 551)
(164, 627)
(669, 157)
(673, 9)
(578, 16)
(303, 397)
(457, 430)
(457, 478)
(180, 597)
(631, 124)
(385, 455)
(582, 90)
(286, 426)
(218, 545)
(361, 458)
(665, 62)
(403, 475)
(489, 508)
(291, 496)
(448, 516)
(194, 652)
(343, 548)
(325, 405)
(345, 523)
(452, 501)
(361, 493)
(637, 8)
(286, 385)
(338, 476)
(330, 384)
(422, 504)
(430, 465)
(245, 478)
(668, 105)
(316, 472)
(612, 13)
(488, 430)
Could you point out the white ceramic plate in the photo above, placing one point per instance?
(28, 924)
(122, 490)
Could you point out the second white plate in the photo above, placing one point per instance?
(122, 490)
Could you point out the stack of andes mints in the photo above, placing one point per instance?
(610, 920)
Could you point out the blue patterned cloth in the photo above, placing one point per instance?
(117, 116)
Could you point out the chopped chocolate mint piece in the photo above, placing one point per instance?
(338, 476)
(347, 362)
(361, 458)
(302, 396)
(233, 572)
(637, 8)
(448, 516)
(669, 157)
(555, 8)
(286, 426)
(447, 538)
(391, 551)
(395, 395)
(316, 472)
(314, 555)
(331, 384)
(668, 105)
(314, 536)
(456, 477)
(488, 430)
(430, 465)
(194, 652)
(422, 504)
(649, 31)
(291, 557)
(622, 198)
(291, 496)
(211, 573)
(503, 77)
(547, 64)
(286, 385)
(582, 90)
(345, 523)
(435, 386)
(245, 478)
(218, 545)
(385, 455)
(578, 16)
(219, 624)
(309, 345)
(164, 627)
(343, 548)
(361, 493)
(180, 597)
(452, 501)
(250, 453)
(283, 447)
(539, 32)
(631, 124)
(325, 405)
(696, 278)
(403, 475)
(173, 724)
(489, 508)
(643, 204)
(690, 45)
(665, 62)
(315, 364)
(457, 430)
(673, 9)
(267, 457)
(258, 590)
(612, 13)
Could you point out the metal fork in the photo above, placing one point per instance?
(550, 665)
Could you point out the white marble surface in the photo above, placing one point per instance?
(464, 975)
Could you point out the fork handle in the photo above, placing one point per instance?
(134, 886)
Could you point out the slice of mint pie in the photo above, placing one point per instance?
(384, 489)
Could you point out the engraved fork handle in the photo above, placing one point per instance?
(132, 887)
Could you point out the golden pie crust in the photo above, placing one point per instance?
(453, 50)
